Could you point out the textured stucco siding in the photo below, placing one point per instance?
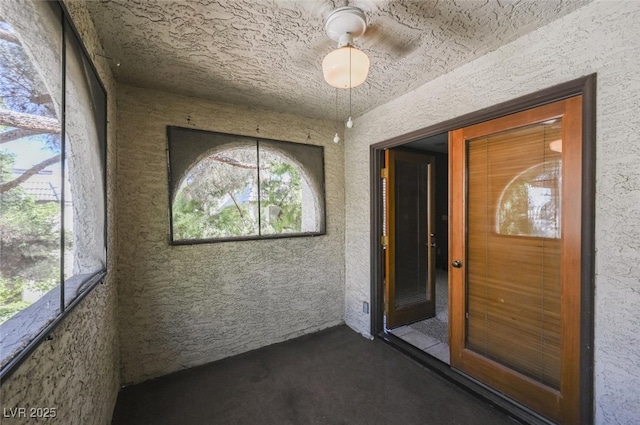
(76, 371)
(602, 37)
(182, 306)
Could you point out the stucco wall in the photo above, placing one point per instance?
(77, 370)
(182, 306)
(602, 37)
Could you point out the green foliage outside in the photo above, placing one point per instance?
(220, 200)
(11, 298)
(29, 230)
(283, 189)
(29, 244)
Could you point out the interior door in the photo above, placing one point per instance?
(515, 247)
(410, 247)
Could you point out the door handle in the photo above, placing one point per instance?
(457, 264)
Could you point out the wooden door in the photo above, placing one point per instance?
(409, 253)
(515, 244)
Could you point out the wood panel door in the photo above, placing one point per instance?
(409, 253)
(515, 244)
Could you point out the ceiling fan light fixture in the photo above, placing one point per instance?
(336, 66)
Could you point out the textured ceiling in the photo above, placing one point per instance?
(268, 53)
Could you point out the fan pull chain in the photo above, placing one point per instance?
(350, 121)
(336, 138)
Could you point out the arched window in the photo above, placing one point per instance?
(227, 187)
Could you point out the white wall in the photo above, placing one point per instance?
(182, 306)
(602, 37)
(77, 370)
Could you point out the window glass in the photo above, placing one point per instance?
(30, 158)
(529, 185)
(52, 173)
(218, 197)
(84, 187)
(530, 204)
(280, 195)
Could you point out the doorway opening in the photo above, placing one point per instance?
(520, 251)
(427, 330)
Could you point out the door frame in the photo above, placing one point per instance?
(585, 86)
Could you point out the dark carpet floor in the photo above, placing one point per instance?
(331, 377)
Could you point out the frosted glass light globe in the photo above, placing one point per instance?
(335, 67)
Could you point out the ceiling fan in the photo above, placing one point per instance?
(345, 67)
(379, 34)
(348, 23)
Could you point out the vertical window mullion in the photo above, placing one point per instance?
(63, 136)
(259, 188)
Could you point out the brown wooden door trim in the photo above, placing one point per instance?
(571, 260)
(389, 252)
(457, 208)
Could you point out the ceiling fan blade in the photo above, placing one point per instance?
(322, 8)
(369, 6)
(397, 44)
(319, 8)
(312, 58)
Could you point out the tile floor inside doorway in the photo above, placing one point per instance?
(431, 335)
(426, 343)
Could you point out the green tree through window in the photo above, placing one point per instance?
(220, 196)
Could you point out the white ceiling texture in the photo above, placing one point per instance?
(268, 53)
